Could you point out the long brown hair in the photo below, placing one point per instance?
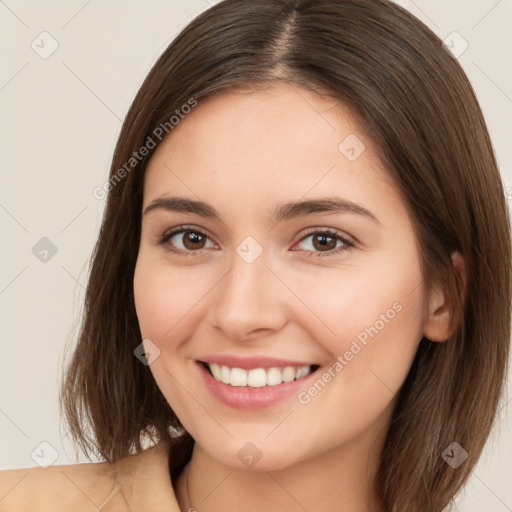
(421, 112)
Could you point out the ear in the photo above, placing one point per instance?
(440, 309)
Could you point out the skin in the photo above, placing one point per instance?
(243, 152)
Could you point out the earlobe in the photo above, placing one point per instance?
(440, 308)
(437, 324)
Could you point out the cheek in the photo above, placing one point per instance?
(164, 296)
(344, 303)
(164, 302)
(151, 295)
(377, 329)
(371, 321)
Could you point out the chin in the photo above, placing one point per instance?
(256, 456)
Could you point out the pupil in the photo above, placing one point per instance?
(193, 238)
(321, 239)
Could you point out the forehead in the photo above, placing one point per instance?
(282, 142)
(266, 123)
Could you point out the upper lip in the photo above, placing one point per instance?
(249, 363)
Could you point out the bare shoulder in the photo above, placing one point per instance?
(138, 482)
(79, 487)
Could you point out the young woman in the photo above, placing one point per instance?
(301, 292)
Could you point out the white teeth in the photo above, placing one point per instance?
(225, 374)
(217, 372)
(274, 377)
(288, 374)
(257, 377)
(238, 377)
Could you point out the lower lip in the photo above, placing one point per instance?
(241, 397)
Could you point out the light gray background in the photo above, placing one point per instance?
(60, 118)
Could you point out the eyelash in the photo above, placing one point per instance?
(331, 233)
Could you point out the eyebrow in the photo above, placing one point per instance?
(283, 211)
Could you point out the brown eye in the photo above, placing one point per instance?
(322, 241)
(192, 240)
(325, 243)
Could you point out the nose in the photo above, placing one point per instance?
(248, 302)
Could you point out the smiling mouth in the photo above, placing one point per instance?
(257, 377)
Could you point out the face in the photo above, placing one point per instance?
(258, 295)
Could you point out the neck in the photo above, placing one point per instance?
(341, 479)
